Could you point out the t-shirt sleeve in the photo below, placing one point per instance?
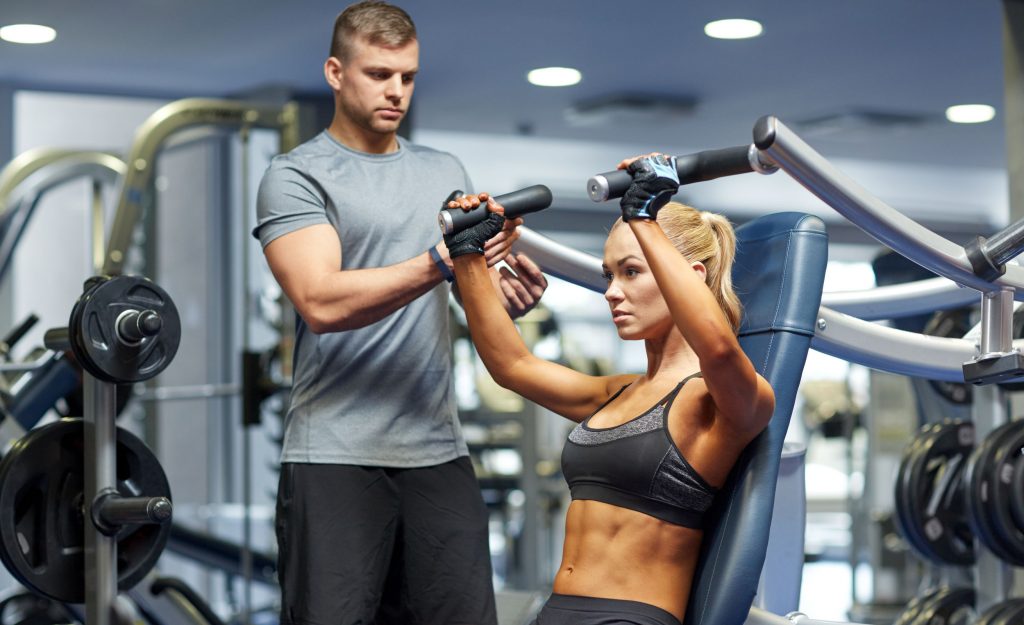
(469, 183)
(287, 201)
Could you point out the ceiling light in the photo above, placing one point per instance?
(970, 113)
(27, 33)
(733, 29)
(554, 76)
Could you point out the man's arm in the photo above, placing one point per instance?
(306, 264)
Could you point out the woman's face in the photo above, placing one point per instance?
(638, 309)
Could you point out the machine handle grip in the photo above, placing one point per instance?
(706, 165)
(521, 202)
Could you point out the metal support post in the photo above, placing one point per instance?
(100, 474)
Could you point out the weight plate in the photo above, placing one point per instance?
(1017, 491)
(914, 607)
(1001, 613)
(902, 494)
(989, 482)
(1007, 450)
(928, 493)
(1011, 614)
(951, 607)
(96, 342)
(41, 517)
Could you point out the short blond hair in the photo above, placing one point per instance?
(378, 22)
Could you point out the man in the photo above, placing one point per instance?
(379, 517)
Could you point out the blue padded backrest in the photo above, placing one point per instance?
(779, 271)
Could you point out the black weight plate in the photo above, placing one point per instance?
(987, 498)
(41, 521)
(990, 614)
(901, 492)
(908, 497)
(1008, 448)
(975, 501)
(1013, 615)
(937, 594)
(904, 492)
(94, 337)
(1017, 491)
(930, 496)
(914, 607)
(1002, 613)
(952, 607)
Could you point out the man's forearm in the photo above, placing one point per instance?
(350, 299)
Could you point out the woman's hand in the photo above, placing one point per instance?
(655, 181)
(492, 237)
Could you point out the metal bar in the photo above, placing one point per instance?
(25, 179)
(24, 367)
(996, 323)
(246, 615)
(151, 136)
(992, 577)
(98, 232)
(758, 616)
(194, 391)
(34, 171)
(1006, 244)
(892, 350)
(100, 474)
(890, 227)
(901, 300)
(838, 334)
(562, 262)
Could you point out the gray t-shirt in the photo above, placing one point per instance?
(381, 395)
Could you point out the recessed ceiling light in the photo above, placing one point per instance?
(733, 29)
(970, 113)
(27, 33)
(554, 76)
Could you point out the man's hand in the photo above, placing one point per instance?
(498, 247)
(520, 285)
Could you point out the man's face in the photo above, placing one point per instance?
(375, 85)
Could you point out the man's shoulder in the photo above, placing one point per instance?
(314, 149)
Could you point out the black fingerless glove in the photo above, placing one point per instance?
(472, 239)
(655, 181)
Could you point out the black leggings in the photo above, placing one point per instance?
(576, 610)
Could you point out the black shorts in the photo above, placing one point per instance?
(575, 610)
(361, 545)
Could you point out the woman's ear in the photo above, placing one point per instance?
(701, 269)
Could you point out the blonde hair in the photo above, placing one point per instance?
(708, 238)
(382, 24)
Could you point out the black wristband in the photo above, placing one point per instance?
(441, 265)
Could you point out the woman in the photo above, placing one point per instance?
(650, 450)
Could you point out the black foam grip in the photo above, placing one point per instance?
(706, 165)
(17, 333)
(521, 202)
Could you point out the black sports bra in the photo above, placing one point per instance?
(637, 466)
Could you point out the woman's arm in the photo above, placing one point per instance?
(560, 389)
(743, 399)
